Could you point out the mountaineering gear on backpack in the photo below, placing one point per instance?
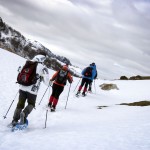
(88, 72)
(27, 76)
(61, 77)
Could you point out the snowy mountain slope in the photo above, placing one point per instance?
(14, 41)
(81, 126)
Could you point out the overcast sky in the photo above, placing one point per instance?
(115, 34)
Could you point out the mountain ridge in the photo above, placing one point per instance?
(13, 41)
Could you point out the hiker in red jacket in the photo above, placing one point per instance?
(60, 78)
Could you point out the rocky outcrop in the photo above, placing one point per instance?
(138, 77)
(123, 78)
(108, 87)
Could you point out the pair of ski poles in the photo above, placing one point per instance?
(5, 116)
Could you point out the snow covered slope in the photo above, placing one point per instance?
(81, 126)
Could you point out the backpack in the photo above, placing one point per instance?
(27, 76)
(61, 77)
(88, 72)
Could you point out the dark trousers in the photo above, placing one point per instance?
(23, 96)
(84, 83)
(57, 90)
(90, 85)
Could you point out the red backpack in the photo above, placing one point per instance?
(88, 72)
(27, 76)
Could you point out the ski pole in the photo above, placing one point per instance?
(46, 119)
(77, 84)
(68, 96)
(49, 93)
(10, 105)
(44, 94)
(94, 86)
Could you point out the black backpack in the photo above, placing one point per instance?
(27, 76)
(88, 72)
(61, 77)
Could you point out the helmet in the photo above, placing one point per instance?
(65, 68)
(39, 58)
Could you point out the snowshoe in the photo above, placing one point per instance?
(20, 126)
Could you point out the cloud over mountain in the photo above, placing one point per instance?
(106, 32)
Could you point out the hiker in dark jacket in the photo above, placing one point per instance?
(60, 78)
(88, 74)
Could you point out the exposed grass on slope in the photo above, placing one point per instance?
(100, 107)
(140, 103)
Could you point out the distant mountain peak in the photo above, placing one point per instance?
(15, 42)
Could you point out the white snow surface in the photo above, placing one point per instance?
(81, 126)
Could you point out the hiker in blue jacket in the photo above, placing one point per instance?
(88, 75)
(90, 83)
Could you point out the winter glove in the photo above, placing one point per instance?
(19, 69)
(70, 82)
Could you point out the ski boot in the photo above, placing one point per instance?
(78, 93)
(83, 94)
(53, 109)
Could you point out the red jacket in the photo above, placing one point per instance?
(69, 78)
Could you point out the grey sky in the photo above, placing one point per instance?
(115, 34)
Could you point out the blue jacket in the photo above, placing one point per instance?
(93, 72)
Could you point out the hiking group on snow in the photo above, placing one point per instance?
(29, 79)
